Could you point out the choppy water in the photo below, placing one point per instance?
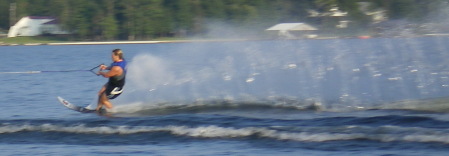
(302, 97)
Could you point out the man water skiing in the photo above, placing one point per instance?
(116, 74)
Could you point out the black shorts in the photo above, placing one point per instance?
(112, 91)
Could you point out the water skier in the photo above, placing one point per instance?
(116, 73)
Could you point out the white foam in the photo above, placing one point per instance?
(307, 134)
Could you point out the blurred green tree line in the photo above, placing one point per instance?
(146, 19)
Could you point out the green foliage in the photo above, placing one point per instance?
(146, 19)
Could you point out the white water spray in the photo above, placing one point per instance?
(340, 74)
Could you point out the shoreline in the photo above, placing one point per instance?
(204, 40)
(127, 42)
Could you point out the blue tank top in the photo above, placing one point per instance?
(121, 64)
(119, 80)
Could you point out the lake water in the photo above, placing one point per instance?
(382, 96)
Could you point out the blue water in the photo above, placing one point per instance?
(296, 97)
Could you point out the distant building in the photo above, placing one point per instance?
(35, 26)
(290, 30)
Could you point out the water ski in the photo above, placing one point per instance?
(78, 108)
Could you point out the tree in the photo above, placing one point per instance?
(325, 5)
(109, 28)
(181, 13)
(355, 15)
(4, 14)
(108, 24)
(79, 20)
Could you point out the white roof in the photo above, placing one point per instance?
(35, 25)
(292, 27)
